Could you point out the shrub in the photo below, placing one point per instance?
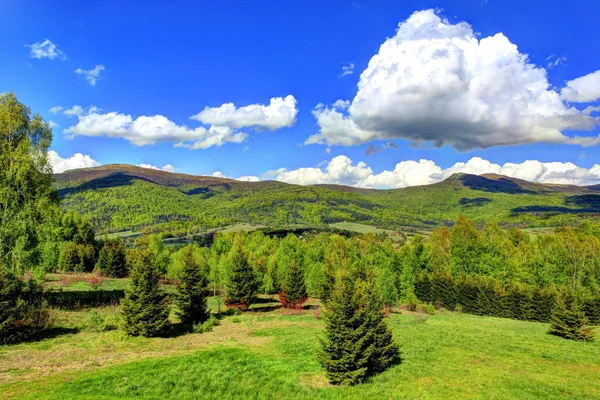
(112, 260)
(22, 309)
(207, 325)
(570, 322)
(102, 322)
(144, 310)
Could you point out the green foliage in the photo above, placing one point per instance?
(357, 341)
(144, 310)
(102, 322)
(77, 258)
(112, 260)
(122, 197)
(207, 325)
(22, 311)
(570, 322)
(190, 295)
(242, 285)
(293, 291)
(28, 200)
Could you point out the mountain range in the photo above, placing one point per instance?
(117, 197)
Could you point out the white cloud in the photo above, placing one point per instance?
(55, 109)
(52, 124)
(45, 49)
(91, 75)
(435, 81)
(347, 69)
(280, 113)
(583, 89)
(166, 168)
(78, 160)
(554, 61)
(341, 170)
(148, 130)
(248, 178)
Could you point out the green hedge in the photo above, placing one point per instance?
(482, 295)
(79, 299)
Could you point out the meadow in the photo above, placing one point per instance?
(269, 352)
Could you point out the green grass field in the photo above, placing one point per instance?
(265, 354)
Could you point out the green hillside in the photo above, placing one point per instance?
(120, 197)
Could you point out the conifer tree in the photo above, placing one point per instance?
(112, 260)
(144, 310)
(569, 322)
(293, 291)
(381, 349)
(190, 296)
(357, 341)
(241, 285)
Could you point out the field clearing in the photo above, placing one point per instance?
(266, 354)
(237, 228)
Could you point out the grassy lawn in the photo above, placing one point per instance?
(265, 354)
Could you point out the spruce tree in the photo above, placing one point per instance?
(112, 260)
(569, 322)
(144, 310)
(357, 341)
(241, 285)
(293, 291)
(381, 349)
(190, 296)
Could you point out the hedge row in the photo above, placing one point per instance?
(72, 300)
(482, 295)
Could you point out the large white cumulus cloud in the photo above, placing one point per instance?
(341, 170)
(76, 161)
(280, 113)
(435, 81)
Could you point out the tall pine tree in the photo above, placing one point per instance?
(190, 296)
(241, 285)
(144, 310)
(293, 291)
(357, 342)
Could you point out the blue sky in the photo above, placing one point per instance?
(174, 59)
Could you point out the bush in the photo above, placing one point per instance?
(207, 325)
(112, 260)
(144, 310)
(569, 322)
(77, 258)
(22, 308)
(102, 322)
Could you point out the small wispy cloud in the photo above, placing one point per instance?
(91, 75)
(554, 61)
(45, 49)
(55, 109)
(347, 69)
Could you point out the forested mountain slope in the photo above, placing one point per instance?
(122, 196)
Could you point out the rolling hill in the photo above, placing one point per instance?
(123, 196)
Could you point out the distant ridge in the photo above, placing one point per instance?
(489, 181)
(123, 196)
